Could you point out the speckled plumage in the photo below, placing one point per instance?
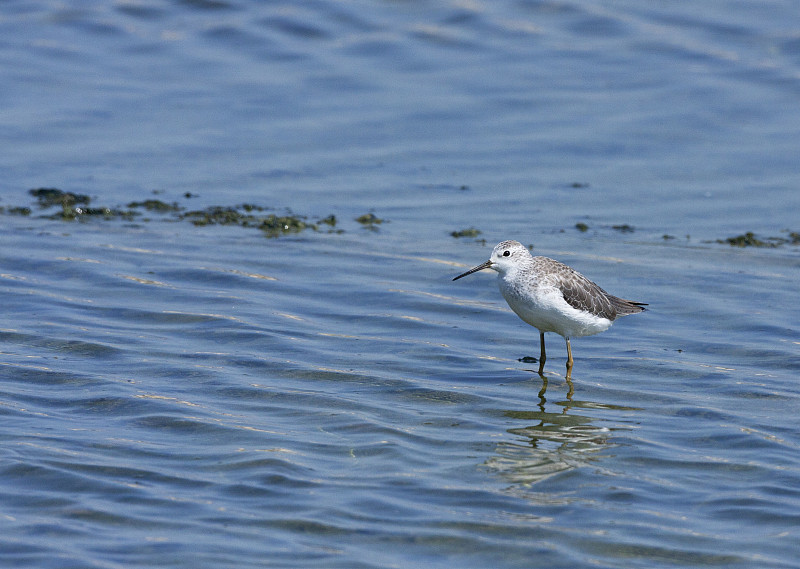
(553, 297)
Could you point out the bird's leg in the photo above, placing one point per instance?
(569, 360)
(542, 355)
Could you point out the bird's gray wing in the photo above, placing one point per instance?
(583, 294)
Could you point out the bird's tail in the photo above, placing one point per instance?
(625, 307)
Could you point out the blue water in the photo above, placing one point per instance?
(204, 396)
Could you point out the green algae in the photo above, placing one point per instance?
(48, 197)
(83, 212)
(155, 206)
(749, 239)
(330, 220)
(219, 215)
(369, 219)
(71, 206)
(275, 225)
(16, 210)
(74, 206)
(471, 232)
(272, 225)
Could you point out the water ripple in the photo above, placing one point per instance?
(177, 395)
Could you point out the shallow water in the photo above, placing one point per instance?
(177, 395)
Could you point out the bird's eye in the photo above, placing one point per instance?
(506, 253)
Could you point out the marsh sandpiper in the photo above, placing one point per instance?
(552, 297)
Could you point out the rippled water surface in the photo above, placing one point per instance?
(179, 394)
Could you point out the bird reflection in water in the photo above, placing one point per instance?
(551, 442)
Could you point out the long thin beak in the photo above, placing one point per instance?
(480, 267)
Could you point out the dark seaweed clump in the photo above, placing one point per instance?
(74, 206)
(156, 206)
(219, 215)
(369, 221)
(48, 197)
(749, 239)
(471, 232)
(71, 206)
(275, 225)
(249, 215)
(468, 233)
(16, 210)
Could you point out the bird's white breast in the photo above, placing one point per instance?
(542, 305)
